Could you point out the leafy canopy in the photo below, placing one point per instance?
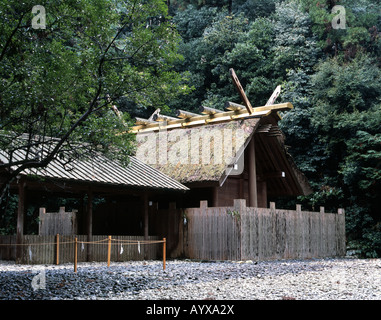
(62, 81)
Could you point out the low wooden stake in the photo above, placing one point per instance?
(164, 252)
(109, 251)
(75, 254)
(58, 250)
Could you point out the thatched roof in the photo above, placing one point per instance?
(206, 153)
(172, 145)
(201, 153)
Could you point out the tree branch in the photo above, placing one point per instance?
(9, 40)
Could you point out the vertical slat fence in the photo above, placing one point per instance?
(247, 233)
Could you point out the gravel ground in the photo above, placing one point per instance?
(314, 279)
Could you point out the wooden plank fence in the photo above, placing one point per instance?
(246, 233)
(42, 249)
(51, 223)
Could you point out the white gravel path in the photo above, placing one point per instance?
(314, 279)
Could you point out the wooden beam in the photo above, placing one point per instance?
(143, 122)
(210, 115)
(241, 92)
(273, 97)
(234, 106)
(209, 111)
(157, 111)
(160, 117)
(201, 119)
(277, 107)
(253, 200)
(185, 114)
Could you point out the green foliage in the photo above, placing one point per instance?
(234, 214)
(361, 18)
(62, 81)
(205, 48)
(8, 221)
(346, 117)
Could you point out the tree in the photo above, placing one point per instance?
(208, 34)
(346, 121)
(254, 9)
(333, 129)
(296, 53)
(362, 27)
(58, 84)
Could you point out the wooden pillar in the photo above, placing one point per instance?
(215, 196)
(20, 219)
(145, 216)
(253, 201)
(241, 188)
(145, 222)
(262, 194)
(89, 223)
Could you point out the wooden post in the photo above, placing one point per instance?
(41, 217)
(241, 188)
(58, 250)
(203, 204)
(215, 196)
(145, 208)
(341, 232)
(89, 223)
(146, 222)
(20, 219)
(262, 194)
(109, 251)
(75, 254)
(164, 252)
(240, 205)
(253, 198)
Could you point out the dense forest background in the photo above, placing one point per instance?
(331, 76)
(93, 52)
